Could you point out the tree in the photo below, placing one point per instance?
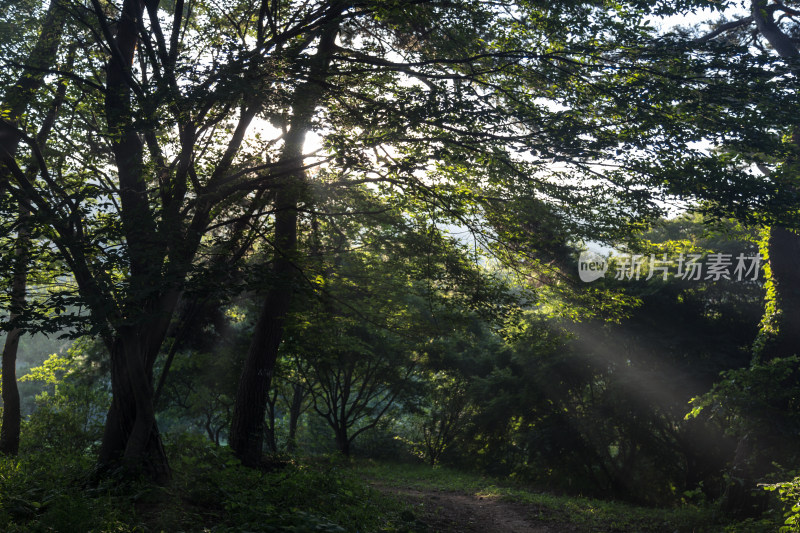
(726, 40)
(435, 105)
(446, 415)
(359, 380)
(130, 236)
(16, 100)
(769, 28)
(9, 433)
(166, 159)
(19, 96)
(251, 397)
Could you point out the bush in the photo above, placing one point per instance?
(789, 494)
(54, 489)
(71, 414)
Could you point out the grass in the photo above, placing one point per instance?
(585, 513)
(50, 489)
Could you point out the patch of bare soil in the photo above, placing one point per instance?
(456, 512)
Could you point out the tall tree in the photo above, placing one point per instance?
(16, 101)
(9, 432)
(166, 125)
(247, 427)
(448, 109)
(769, 28)
(767, 31)
(435, 105)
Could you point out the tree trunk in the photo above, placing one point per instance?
(780, 326)
(343, 441)
(294, 416)
(247, 426)
(9, 436)
(212, 436)
(780, 334)
(269, 430)
(131, 438)
(9, 433)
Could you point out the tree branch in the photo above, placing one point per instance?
(723, 28)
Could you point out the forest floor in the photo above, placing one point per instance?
(52, 488)
(454, 512)
(441, 500)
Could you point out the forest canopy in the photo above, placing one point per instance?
(268, 229)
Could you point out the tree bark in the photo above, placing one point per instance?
(9, 433)
(131, 437)
(247, 426)
(780, 326)
(780, 335)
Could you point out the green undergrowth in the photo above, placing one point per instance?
(53, 490)
(585, 514)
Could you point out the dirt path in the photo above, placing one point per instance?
(444, 511)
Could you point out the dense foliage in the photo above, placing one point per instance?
(240, 238)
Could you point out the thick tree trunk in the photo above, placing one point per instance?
(247, 426)
(131, 438)
(9, 433)
(780, 327)
(780, 335)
